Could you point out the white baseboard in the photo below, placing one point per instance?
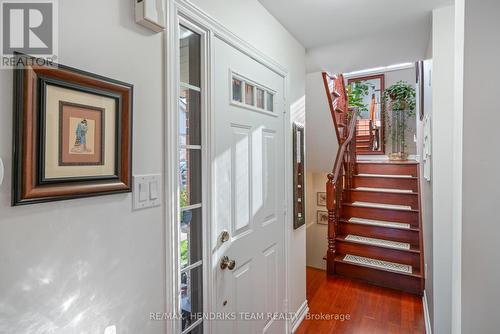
(299, 316)
(427, 318)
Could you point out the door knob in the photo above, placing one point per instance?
(225, 262)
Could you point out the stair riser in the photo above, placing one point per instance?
(399, 216)
(379, 232)
(381, 182)
(380, 253)
(386, 279)
(385, 198)
(387, 169)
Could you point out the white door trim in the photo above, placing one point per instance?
(185, 11)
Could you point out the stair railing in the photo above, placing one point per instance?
(338, 189)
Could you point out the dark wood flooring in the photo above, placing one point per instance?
(371, 309)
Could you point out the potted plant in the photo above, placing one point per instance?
(401, 101)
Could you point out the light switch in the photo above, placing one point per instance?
(153, 190)
(147, 191)
(143, 192)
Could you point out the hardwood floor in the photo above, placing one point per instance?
(371, 309)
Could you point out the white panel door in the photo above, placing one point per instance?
(248, 198)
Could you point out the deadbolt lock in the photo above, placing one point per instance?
(225, 262)
(224, 236)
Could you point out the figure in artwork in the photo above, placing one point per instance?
(81, 138)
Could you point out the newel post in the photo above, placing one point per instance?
(332, 233)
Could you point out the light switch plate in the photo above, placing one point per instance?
(146, 192)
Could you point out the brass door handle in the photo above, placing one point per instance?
(225, 262)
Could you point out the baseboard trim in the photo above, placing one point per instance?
(427, 318)
(299, 316)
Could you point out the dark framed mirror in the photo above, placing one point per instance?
(367, 97)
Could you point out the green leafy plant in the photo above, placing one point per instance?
(356, 91)
(401, 96)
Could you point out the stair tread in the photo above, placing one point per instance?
(386, 190)
(391, 176)
(382, 205)
(378, 264)
(397, 245)
(382, 223)
(377, 206)
(388, 162)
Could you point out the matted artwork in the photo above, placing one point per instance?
(81, 134)
(322, 217)
(321, 199)
(72, 133)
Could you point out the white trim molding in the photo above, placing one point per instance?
(299, 316)
(427, 318)
(378, 70)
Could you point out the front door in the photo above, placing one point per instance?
(249, 193)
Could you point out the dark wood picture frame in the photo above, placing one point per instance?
(381, 77)
(29, 184)
(419, 68)
(299, 209)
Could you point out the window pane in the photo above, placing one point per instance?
(197, 330)
(190, 177)
(249, 94)
(270, 101)
(189, 117)
(237, 90)
(190, 69)
(191, 229)
(260, 98)
(191, 296)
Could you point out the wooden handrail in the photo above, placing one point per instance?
(340, 153)
(338, 189)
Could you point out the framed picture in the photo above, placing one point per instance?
(72, 133)
(299, 211)
(321, 199)
(419, 67)
(322, 217)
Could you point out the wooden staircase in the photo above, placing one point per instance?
(374, 221)
(379, 236)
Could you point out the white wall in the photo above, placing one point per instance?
(95, 257)
(249, 20)
(426, 192)
(321, 140)
(481, 179)
(317, 234)
(396, 46)
(442, 164)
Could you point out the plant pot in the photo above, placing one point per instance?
(399, 156)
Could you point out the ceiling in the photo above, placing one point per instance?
(317, 23)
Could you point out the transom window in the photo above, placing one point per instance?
(250, 94)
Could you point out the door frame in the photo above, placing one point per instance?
(183, 11)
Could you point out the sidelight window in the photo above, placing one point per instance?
(190, 182)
